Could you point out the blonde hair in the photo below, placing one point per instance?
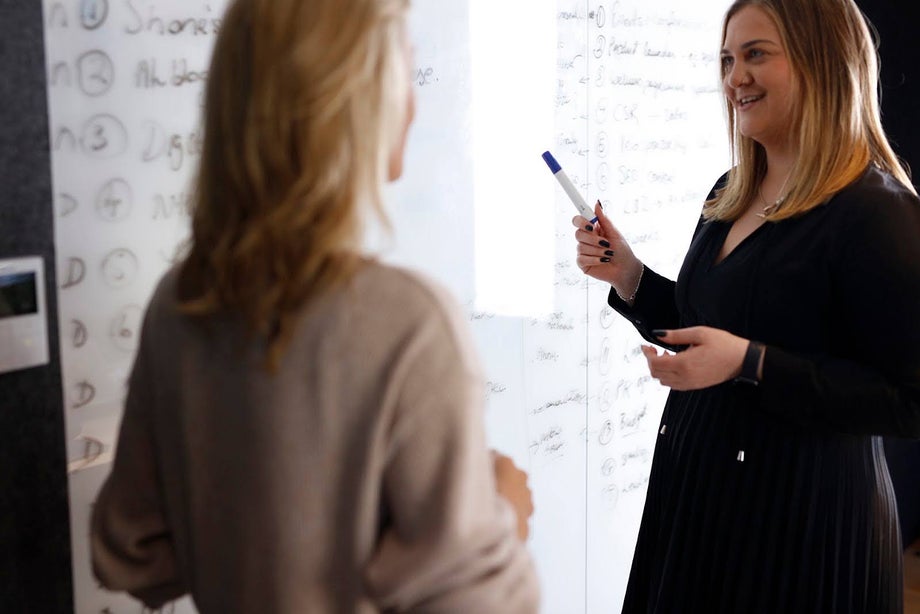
(836, 114)
(304, 104)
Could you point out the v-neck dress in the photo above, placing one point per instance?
(776, 498)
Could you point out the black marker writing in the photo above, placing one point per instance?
(153, 24)
(67, 204)
(124, 328)
(119, 268)
(95, 73)
(93, 13)
(57, 16)
(64, 138)
(86, 392)
(606, 433)
(175, 205)
(104, 136)
(76, 271)
(60, 75)
(80, 334)
(173, 147)
(114, 200)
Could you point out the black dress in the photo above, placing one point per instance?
(807, 521)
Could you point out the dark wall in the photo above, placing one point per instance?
(900, 76)
(34, 519)
(900, 90)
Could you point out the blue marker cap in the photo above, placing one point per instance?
(551, 162)
(566, 183)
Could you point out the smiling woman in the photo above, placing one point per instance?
(758, 79)
(769, 490)
(786, 59)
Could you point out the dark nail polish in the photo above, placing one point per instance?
(659, 332)
(609, 252)
(605, 243)
(605, 259)
(600, 205)
(589, 228)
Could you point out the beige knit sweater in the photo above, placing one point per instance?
(356, 479)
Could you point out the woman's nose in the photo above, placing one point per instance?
(739, 76)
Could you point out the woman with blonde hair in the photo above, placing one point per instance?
(303, 428)
(795, 325)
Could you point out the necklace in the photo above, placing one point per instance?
(769, 208)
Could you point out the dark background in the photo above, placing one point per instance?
(34, 518)
(34, 521)
(900, 90)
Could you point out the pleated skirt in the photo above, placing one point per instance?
(746, 514)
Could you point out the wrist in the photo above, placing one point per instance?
(628, 287)
(752, 364)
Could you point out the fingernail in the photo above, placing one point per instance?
(589, 228)
(659, 332)
(605, 259)
(609, 252)
(599, 204)
(604, 243)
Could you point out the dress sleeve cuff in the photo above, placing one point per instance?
(784, 383)
(653, 308)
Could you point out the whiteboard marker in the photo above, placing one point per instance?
(566, 183)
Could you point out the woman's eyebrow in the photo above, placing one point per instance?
(747, 45)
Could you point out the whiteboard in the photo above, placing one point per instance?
(626, 95)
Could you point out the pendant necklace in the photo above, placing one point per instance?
(770, 208)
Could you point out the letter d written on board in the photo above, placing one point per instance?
(76, 271)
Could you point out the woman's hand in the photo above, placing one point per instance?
(511, 483)
(604, 254)
(714, 356)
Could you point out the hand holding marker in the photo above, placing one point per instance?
(566, 183)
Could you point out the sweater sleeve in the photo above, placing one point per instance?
(130, 540)
(450, 544)
(875, 388)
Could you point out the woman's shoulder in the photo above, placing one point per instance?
(720, 183)
(165, 296)
(401, 293)
(875, 191)
(401, 302)
(409, 296)
(875, 210)
(406, 287)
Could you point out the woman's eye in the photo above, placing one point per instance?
(755, 53)
(726, 61)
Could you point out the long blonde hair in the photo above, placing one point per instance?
(305, 100)
(836, 117)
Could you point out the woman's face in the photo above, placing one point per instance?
(757, 78)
